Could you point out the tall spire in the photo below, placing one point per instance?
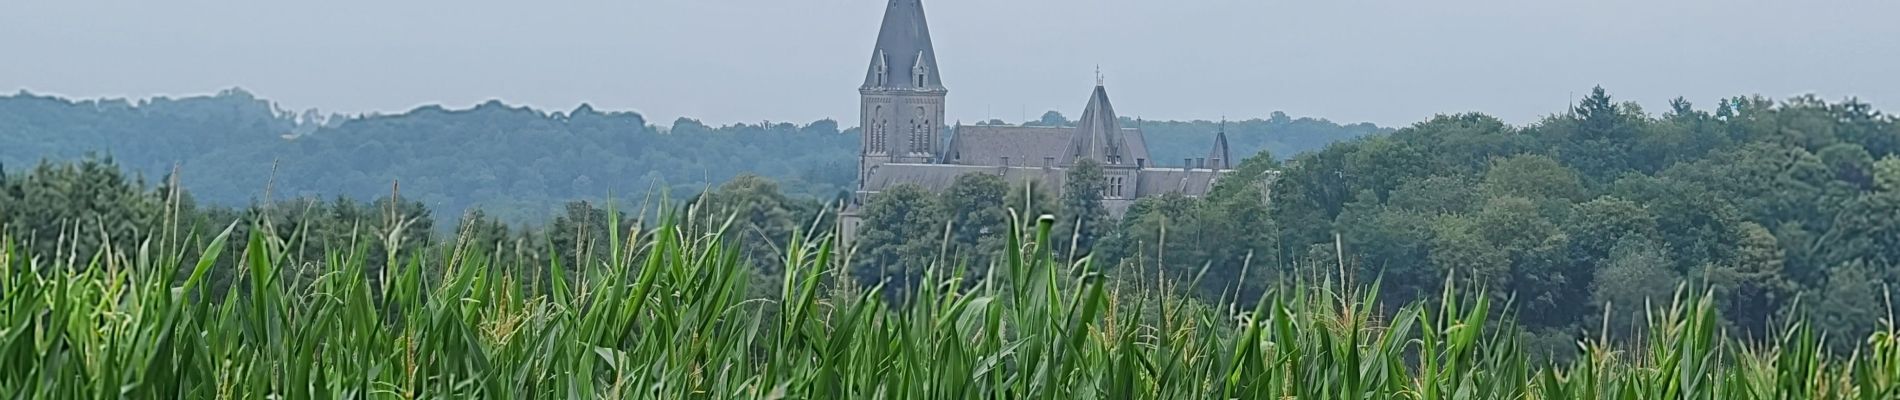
(1220, 157)
(1098, 134)
(903, 58)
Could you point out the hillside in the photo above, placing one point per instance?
(514, 162)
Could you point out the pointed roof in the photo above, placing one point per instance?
(903, 50)
(1220, 157)
(1098, 134)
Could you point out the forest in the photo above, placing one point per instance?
(515, 163)
(1785, 209)
(1728, 250)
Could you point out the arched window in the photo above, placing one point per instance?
(914, 133)
(883, 128)
(875, 131)
(920, 133)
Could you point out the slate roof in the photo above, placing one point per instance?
(1220, 157)
(903, 42)
(1026, 146)
(1098, 135)
(1157, 181)
(989, 144)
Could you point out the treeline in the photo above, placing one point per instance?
(1780, 208)
(89, 207)
(1579, 221)
(234, 149)
(513, 163)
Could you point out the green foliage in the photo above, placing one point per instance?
(50, 205)
(1759, 201)
(901, 238)
(1085, 217)
(975, 206)
(1634, 279)
(664, 315)
(516, 164)
(763, 217)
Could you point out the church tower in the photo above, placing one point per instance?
(901, 101)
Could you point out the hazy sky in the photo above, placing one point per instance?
(723, 61)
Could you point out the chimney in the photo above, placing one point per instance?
(1187, 163)
(1202, 162)
(1141, 163)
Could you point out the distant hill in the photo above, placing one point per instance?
(514, 162)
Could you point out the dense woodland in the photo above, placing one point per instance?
(1780, 208)
(1783, 209)
(515, 163)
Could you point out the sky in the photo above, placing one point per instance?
(1390, 62)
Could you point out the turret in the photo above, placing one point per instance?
(1220, 158)
(1098, 134)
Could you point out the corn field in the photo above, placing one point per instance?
(666, 312)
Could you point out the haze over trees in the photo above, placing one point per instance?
(516, 164)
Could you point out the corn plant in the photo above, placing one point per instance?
(664, 312)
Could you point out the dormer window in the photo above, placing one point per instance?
(920, 73)
(883, 70)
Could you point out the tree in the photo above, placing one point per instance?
(1051, 118)
(1751, 284)
(1597, 226)
(1532, 177)
(1887, 174)
(1846, 305)
(580, 234)
(1437, 195)
(1636, 281)
(1031, 200)
(900, 238)
(1550, 291)
(1459, 250)
(974, 206)
(1084, 218)
(1392, 244)
(1164, 231)
(1601, 134)
(762, 218)
(68, 209)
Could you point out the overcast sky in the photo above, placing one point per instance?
(1389, 62)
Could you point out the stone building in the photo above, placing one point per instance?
(906, 141)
